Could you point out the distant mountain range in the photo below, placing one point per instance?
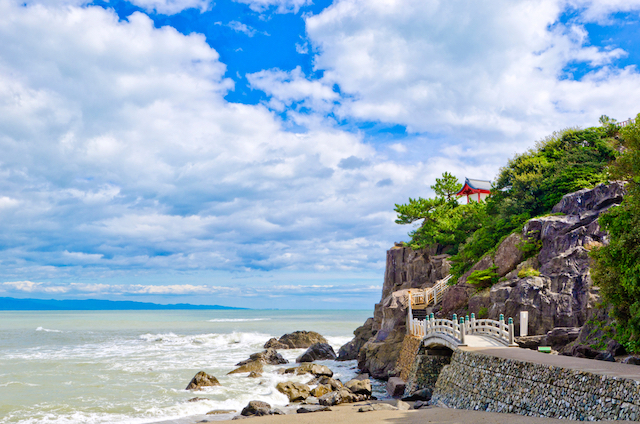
(12, 304)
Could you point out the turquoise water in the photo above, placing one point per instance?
(132, 366)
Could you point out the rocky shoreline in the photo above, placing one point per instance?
(318, 394)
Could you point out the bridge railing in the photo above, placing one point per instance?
(458, 329)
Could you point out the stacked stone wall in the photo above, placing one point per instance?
(487, 383)
(410, 347)
(425, 370)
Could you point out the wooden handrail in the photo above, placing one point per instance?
(431, 295)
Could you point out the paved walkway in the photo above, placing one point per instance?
(474, 341)
(587, 365)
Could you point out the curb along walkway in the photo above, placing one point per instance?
(610, 369)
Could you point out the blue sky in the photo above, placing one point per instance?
(250, 152)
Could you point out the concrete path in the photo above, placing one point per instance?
(474, 341)
(587, 365)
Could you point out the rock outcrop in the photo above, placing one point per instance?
(362, 335)
(317, 352)
(562, 295)
(200, 380)
(296, 340)
(269, 356)
(296, 392)
(406, 269)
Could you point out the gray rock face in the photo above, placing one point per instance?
(406, 269)
(395, 386)
(269, 356)
(563, 294)
(361, 334)
(256, 408)
(317, 352)
(338, 397)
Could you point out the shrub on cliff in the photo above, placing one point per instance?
(617, 265)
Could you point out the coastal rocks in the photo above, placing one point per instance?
(256, 408)
(406, 269)
(361, 334)
(328, 381)
(314, 369)
(321, 390)
(296, 392)
(379, 358)
(340, 396)
(296, 340)
(200, 380)
(275, 344)
(316, 352)
(269, 356)
(252, 366)
(359, 387)
(312, 408)
(395, 386)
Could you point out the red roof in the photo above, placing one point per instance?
(474, 186)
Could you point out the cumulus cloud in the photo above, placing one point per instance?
(171, 7)
(281, 6)
(483, 72)
(92, 289)
(120, 153)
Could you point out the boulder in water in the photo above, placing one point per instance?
(317, 352)
(296, 340)
(275, 344)
(315, 369)
(296, 392)
(202, 379)
(269, 356)
(253, 366)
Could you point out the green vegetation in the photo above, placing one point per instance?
(528, 186)
(483, 279)
(528, 272)
(483, 313)
(617, 265)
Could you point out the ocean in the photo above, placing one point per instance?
(63, 367)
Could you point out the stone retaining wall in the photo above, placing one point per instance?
(410, 347)
(487, 383)
(426, 368)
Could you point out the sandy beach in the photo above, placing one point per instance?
(348, 414)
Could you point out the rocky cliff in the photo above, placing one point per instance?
(553, 284)
(405, 269)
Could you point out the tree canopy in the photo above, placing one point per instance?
(617, 265)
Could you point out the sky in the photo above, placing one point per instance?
(250, 152)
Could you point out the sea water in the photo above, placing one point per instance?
(133, 366)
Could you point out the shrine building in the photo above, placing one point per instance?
(475, 190)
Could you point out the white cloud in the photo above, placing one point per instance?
(171, 7)
(286, 88)
(31, 287)
(490, 71)
(282, 6)
(120, 153)
(601, 10)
